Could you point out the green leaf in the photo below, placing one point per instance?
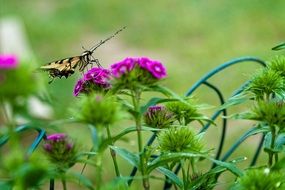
(230, 166)
(279, 47)
(89, 154)
(129, 130)
(154, 101)
(132, 158)
(279, 143)
(279, 165)
(95, 138)
(167, 92)
(79, 178)
(171, 175)
(236, 100)
(170, 157)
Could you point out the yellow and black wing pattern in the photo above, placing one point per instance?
(66, 67)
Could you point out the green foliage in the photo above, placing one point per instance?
(97, 110)
(261, 179)
(25, 173)
(270, 113)
(266, 83)
(179, 139)
(277, 64)
(185, 111)
(159, 118)
(23, 77)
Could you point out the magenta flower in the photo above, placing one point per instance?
(154, 67)
(98, 76)
(8, 61)
(56, 137)
(123, 67)
(158, 116)
(78, 87)
(60, 150)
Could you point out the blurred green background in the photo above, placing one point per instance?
(189, 37)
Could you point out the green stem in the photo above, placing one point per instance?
(113, 153)
(99, 171)
(271, 154)
(63, 184)
(194, 170)
(138, 120)
(9, 121)
(184, 175)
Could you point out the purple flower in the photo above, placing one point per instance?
(8, 61)
(144, 62)
(158, 117)
(154, 67)
(56, 137)
(48, 147)
(78, 87)
(155, 108)
(123, 67)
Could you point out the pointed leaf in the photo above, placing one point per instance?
(171, 175)
(236, 100)
(279, 47)
(95, 138)
(231, 167)
(170, 157)
(132, 158)
(79, 178)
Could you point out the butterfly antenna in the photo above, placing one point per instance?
(103, 41)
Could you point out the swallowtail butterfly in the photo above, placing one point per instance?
(66, 67)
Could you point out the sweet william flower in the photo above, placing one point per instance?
(154, 67)
(123, 67)
(158, 117)
(78, 87)
(96, 79)
(60, 150)
(8, 61)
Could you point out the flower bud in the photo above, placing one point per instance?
(158, 117)
(259, 178)
(98, 110)
(179, 139)
(96, 79)
(60, 151)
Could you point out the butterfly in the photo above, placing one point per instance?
(66, 67)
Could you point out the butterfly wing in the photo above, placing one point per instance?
(61, 65)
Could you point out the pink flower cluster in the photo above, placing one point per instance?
(97, 76)
(156, 69)
(54, 139)
(8, 61)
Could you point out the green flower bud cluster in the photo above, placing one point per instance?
(158, 117)
(184, 112)
(271, 113)
(270, 81)
(256, 179)
(98, 110)
(179, 139)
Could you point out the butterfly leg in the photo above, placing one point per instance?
(97, 62)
